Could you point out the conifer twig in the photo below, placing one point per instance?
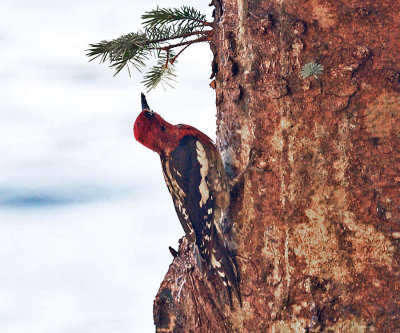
(198, 40)
(165, 29)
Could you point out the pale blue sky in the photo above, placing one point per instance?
(85, 216)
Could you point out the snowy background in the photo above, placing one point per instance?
(85, 216)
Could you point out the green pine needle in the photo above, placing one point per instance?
(163, 73)
(313, 69)
(120, 52)
(172, 23)
(183, 17)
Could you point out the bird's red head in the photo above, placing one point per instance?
(152, 131)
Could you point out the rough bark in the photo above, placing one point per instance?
(315, 235)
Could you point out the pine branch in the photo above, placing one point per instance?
(168, 33)
(178, 54)
(198, 40)
(131, 48)
(184, 37)
(183, 17)
(185, 25)
(163, 72)
(172, 23)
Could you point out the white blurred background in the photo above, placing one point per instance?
(85, 216)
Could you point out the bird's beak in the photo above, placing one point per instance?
(145, 106)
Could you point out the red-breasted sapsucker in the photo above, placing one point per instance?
(196, 179)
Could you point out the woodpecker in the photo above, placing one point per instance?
(200, 189)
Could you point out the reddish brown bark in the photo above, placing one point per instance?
(317, 233)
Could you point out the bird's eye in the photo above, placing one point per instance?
(162, 128)
(149, 114)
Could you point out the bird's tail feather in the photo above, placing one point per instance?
(225, 268)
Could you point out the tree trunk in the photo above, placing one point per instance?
(316, 234)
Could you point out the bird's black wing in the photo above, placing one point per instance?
(185, 173)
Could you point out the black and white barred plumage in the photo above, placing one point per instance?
(188, 173)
